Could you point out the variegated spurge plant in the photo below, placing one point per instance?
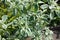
(21, 19)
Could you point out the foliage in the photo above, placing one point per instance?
(20, 19)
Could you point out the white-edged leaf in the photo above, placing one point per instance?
(51, 16)
(0, 21)
(44, 6)
(3, 39)
(0, 37)
(16, 39)
(9, 0)
(40, 2)
(4, 26)
(4, 18)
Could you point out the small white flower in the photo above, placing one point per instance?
(51, 32)
(46, 33)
